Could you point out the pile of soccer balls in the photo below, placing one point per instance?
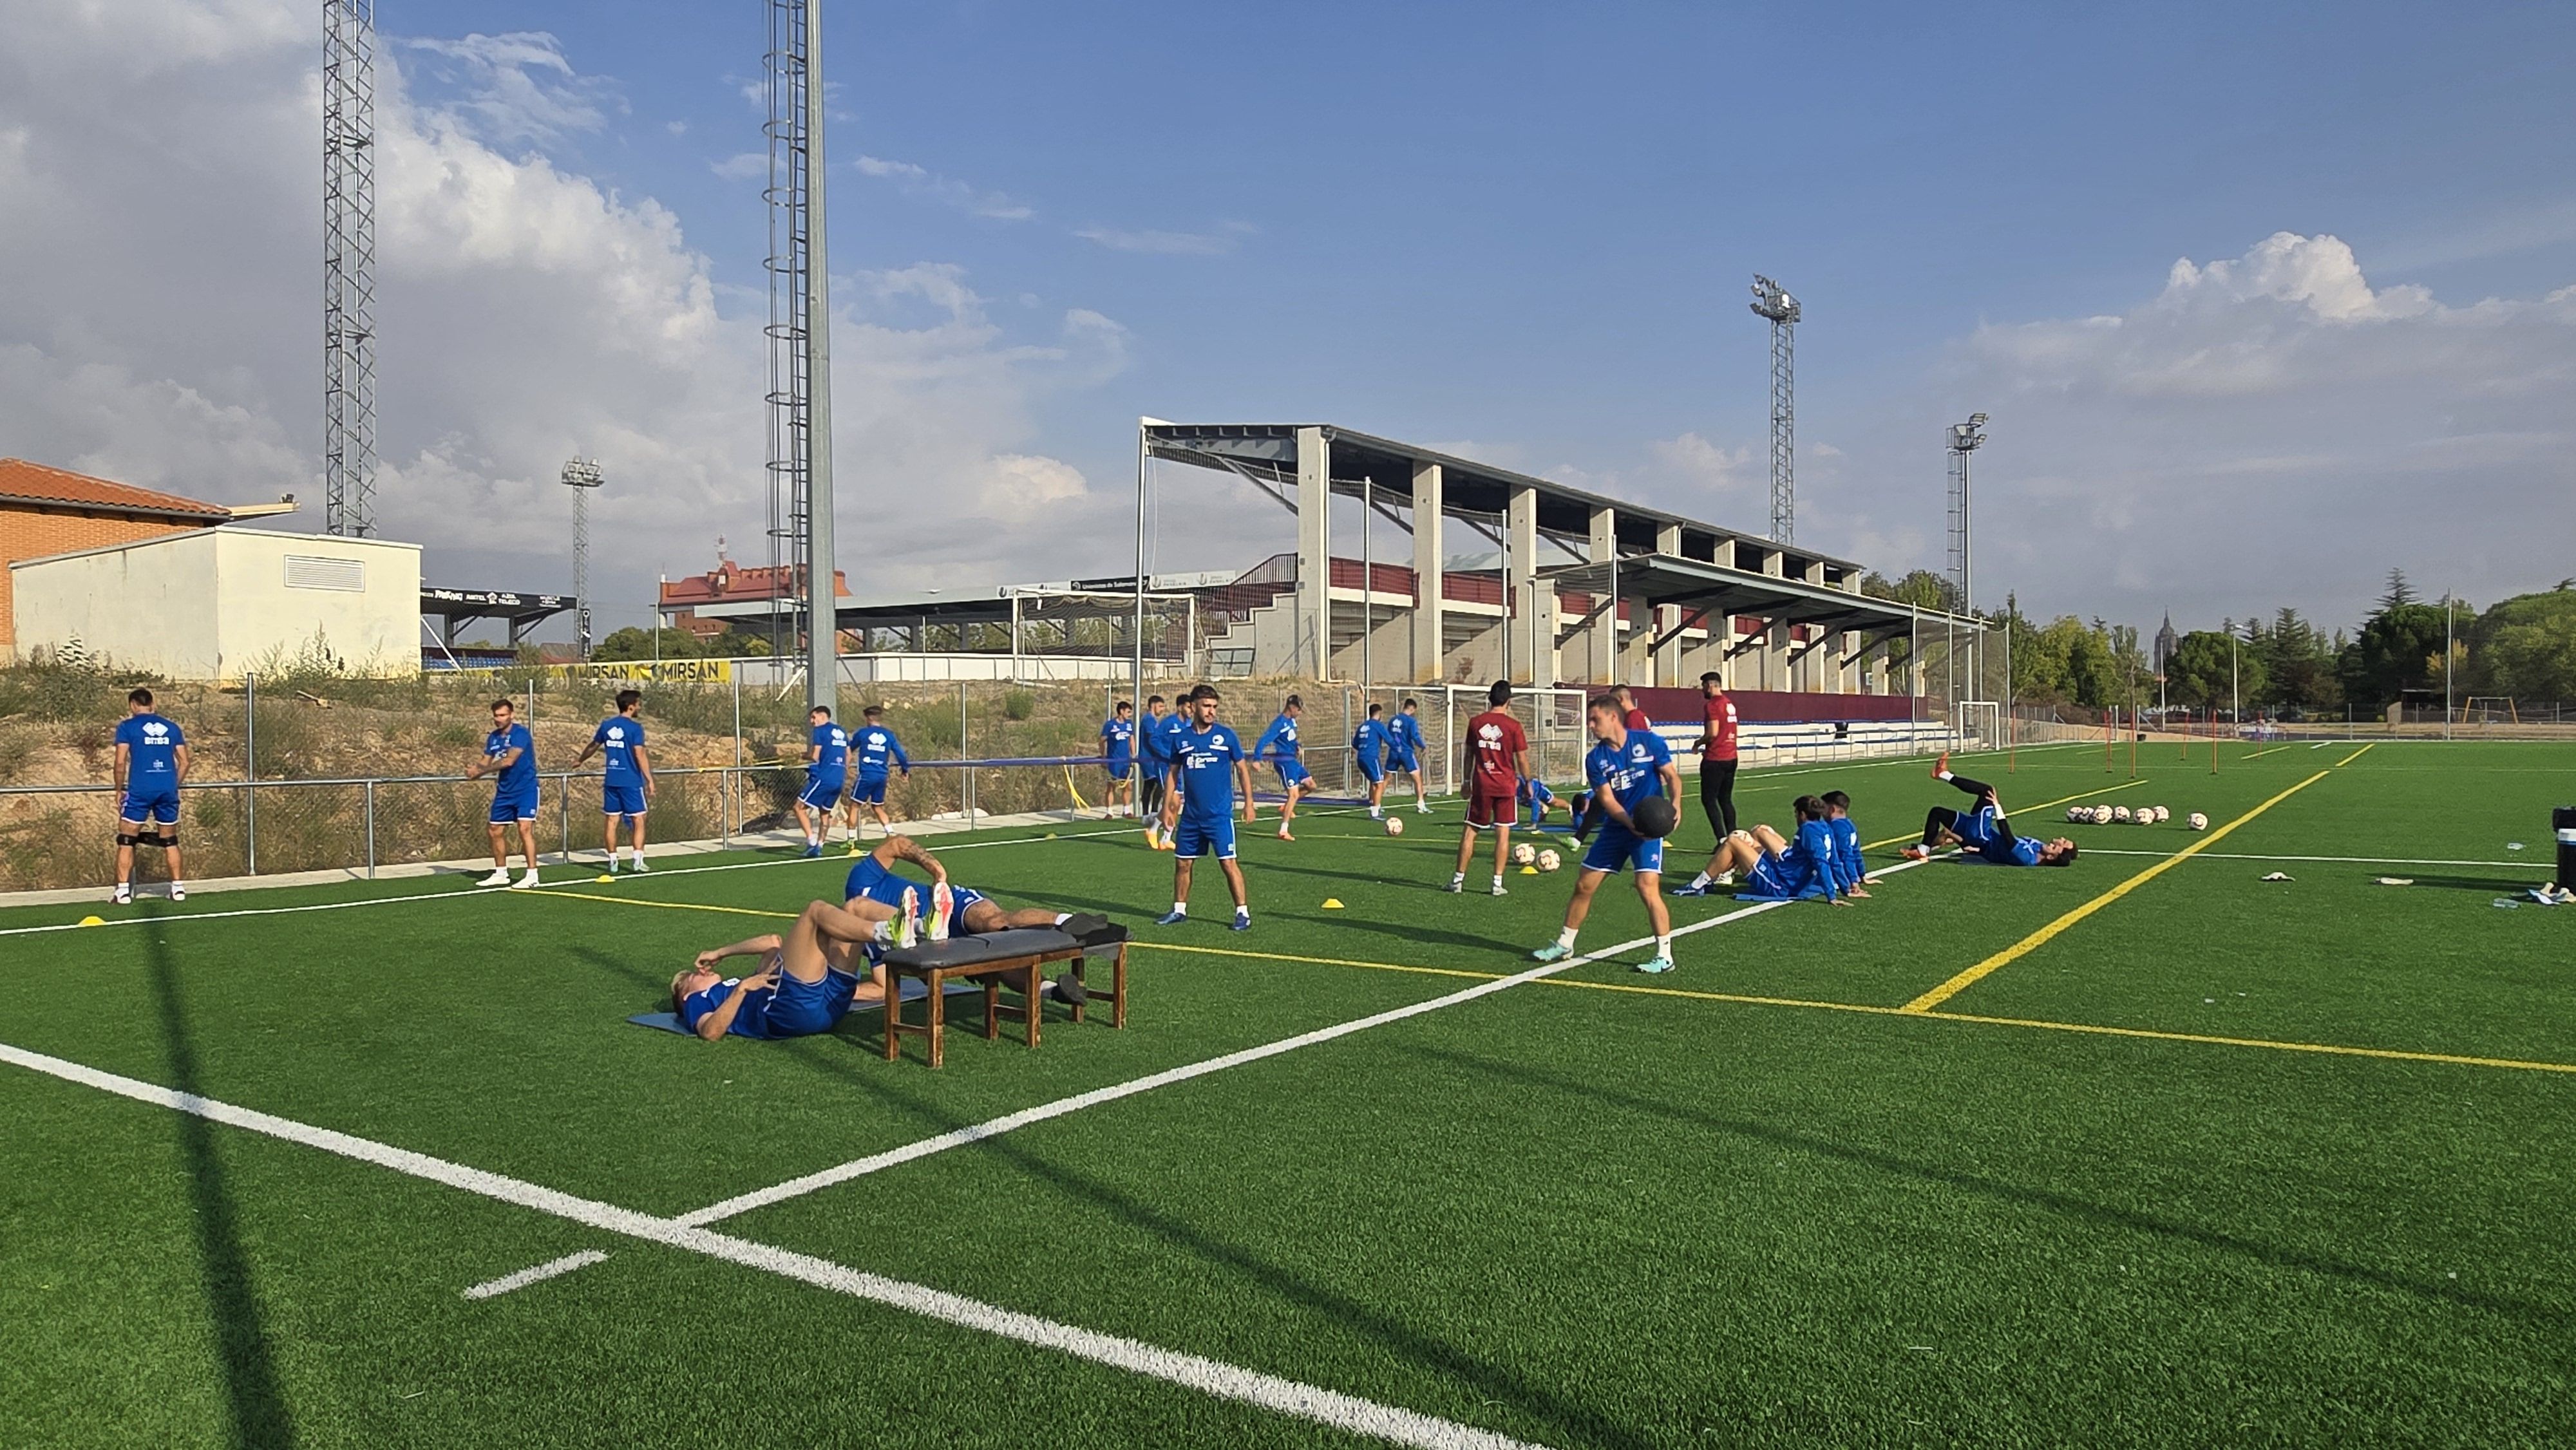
(2142, 816)
(1525, 854)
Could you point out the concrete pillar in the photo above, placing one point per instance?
(1601, 643)
(1314, 554)
(1427, 624)
(1667, 660)
(1534, 631)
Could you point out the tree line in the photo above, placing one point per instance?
(2523, 647)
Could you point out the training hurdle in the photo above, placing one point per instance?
(987, 961)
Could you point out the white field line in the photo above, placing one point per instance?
(1061, 1107)
(1208, 1376)
(536, 1275)
(2539, 862)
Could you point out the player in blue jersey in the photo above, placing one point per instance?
(827, 773)
(1278, 745)
(1625, 769)
(1537, 803)
(1850, 871)
(1153, 762)
(1118, 748)
(1404, 752)
(626, 786)
(875, 891)
(1775, 869)
(1208, 767)
(807, 982)
(1982, 830)
(510, 758)
(151, 761)
(1368, 751)
(875, 752)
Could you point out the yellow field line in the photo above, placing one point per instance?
(2043, 805)
(2358, 754)
(2332, 1049)
(2040, 938)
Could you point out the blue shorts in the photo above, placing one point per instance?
(1617, 848)
(1293, 773)
(510, 806)
(1765, 882)
(870, 791)
(1193, 837)
(1401, 761)
(161, 806)
(802, 1009)
(1118, 768)
(621, 800)
(1372, 770)
(872, 880)
(819, 794)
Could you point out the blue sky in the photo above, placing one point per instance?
(1526, 230)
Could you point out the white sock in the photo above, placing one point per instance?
(1565, 938)
(1702, 879)
(1664, 947)
(1498, 878)
(1940, 775)
(1180, 908)
(1062, 917)
(1460, 879)
(813, 840)
(1244, 912)
(885, 930)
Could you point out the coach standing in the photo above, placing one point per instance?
(1717, 755)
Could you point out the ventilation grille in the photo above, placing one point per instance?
(307, 571)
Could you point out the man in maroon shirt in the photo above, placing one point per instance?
(1633, 718)
(1717, 756)
(1497, 761)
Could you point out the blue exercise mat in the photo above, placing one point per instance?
(914, 989)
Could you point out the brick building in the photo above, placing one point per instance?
(46, 511)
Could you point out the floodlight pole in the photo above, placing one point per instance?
(1774, 304)
(1965, 439)
(1138, 642)
(581, 475)
(2448, 647)
(822, 597)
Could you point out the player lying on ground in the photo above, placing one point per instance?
(1495, 766)
(1208, 765)
(510, 758)
(626, 783)
(1982, 830)
(805, 984)
(1278, 745)
(1780, 870)
(1626, 769)
(904, 909)
(151, 761)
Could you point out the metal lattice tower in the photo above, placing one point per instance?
(1770, 301)
(349, 266)
(581, 475)
(800, 342)
(1965, 439)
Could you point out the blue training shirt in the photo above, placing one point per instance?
(1632, 769)
(1205, 760)
(1118, 739)
(751, 1021)
(151, 752)
(521, 774)
(1369, 741)
(1405, 732)
(1279, 742)
(1151, 734)
(1815, 850)
(833, 765)
(1848, 866)
(877, 749)
(2019, 851)
(618, 738)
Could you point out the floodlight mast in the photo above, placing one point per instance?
(803, 581)
(581, 475)
(1772, 302)
(1964, 439)
(349, 267)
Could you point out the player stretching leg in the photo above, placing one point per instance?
(151, 761)
(805, 984)
(1208, 765)
(1404, 752)
(1278, 744)
(1983, 829)
(626, 787)
(876, 751)
(1629, 771)
(510, 758)
(1497, 761)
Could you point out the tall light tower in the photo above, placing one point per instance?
(1965, 439)
(800, 343)
(349, 267)
(581, 475)
(1782, 309)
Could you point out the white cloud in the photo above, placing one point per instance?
(1705, 465)
(742, 166)
(1170, 244)
(919, 181)
(526, 313)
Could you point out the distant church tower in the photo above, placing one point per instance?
(2166, 639)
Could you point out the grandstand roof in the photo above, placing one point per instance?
(22, 482)
(1266, 453)
(1718, 592)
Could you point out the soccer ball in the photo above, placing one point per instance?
(2078, 813)
(1395, 825)
(1547, 861)
(2163, 815)
(2101, 815)
(2119, 813)
(2198, 822)
(1524, 853)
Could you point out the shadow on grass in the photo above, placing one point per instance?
(2483, 885)
(255, 1408)
(2050, 1200)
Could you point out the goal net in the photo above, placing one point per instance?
(1977, 724)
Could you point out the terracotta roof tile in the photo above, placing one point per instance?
(21, 481)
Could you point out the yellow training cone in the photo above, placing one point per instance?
(1529, 870)
(93, 921)
(604, 876)
(1332, 903)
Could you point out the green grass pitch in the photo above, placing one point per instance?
(1756, 1202)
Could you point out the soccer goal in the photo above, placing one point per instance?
(1977, 724)
(2489, 710)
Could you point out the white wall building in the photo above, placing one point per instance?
(214, 603)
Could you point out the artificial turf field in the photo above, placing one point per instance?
(2216, 1161)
